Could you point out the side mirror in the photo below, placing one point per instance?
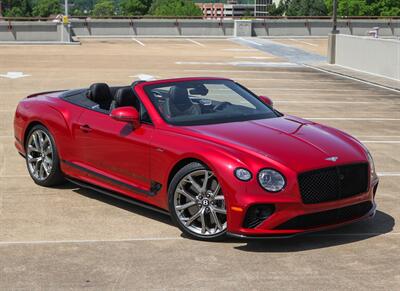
(126, 114)
(267, 100)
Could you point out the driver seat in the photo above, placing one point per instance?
(179, 103)
(125, 97)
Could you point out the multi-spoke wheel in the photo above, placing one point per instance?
(197, 203)
(41, 157)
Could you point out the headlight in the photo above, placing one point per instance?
(370, 160)
(271, 180)
(371, 164)
(243, 174)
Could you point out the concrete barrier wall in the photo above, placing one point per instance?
(30, 31)
(371, 55)
(51, 31)
(152, 27)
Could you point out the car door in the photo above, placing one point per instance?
(114, 152)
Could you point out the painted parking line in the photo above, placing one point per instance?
(388, 174)
(328, 102)
(354, 118)
(195, 42)
(246, 40)
(352, 78)
(380, 136)
(2, 243)
(380, 141)
(305, 42)
(239, 50)
(253, 57)
(242, 64)
(138, 41)
(250, 71)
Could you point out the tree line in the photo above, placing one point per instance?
(45, 8)
(345, 8)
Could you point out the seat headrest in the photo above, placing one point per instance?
(179, 95)
(99, 92)
(125, 97)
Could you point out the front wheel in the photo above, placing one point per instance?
(197, 204)
(42, 157)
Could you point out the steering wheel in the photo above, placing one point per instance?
(221, 106)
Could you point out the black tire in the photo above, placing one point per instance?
(184, 171)
(55, 176)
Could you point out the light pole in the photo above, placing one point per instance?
(65, 7)
(334, 17)
(332, 35)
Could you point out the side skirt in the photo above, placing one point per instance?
(117, 195)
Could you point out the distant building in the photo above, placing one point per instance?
(236, 8)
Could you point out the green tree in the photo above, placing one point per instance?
(45, 8)
(135, 7)
(175, 8)
(307, 8)
(17, 8)
(366, 7)
(279, 10)
(103, 8)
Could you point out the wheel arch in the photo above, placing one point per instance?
(28, 128)
(180, 164)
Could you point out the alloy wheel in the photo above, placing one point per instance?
(199, 203)
(40, 155)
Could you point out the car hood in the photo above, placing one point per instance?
(293, 142)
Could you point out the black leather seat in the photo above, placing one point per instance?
(179, 103)
(100, 94)
(125, 97)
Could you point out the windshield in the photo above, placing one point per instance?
(206, 102)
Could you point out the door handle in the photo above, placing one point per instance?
(85, 128)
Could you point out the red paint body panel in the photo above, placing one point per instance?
(138, 157)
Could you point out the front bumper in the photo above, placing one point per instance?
(276, 225)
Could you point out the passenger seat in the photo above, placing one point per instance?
(100, 94)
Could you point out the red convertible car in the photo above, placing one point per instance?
(216, 157)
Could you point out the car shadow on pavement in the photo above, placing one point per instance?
(381, 224)
(151, 214)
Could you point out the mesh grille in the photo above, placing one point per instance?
(334, 183)
(329, 217)
(256, 214)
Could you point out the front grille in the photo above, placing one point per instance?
(256, 214)
(335, 183)
(329, 217)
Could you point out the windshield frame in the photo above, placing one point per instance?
(226, 119)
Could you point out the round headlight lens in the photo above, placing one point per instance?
(271, 180)
(242, 174)
(371, 164)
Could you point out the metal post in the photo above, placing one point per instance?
(334, 17)
(68, 24)
(65, 7)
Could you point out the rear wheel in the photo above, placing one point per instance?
(197, 204)
(42, 157)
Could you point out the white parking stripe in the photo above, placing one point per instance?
(351, 78)
(195, 42)
(138, 41)
(353, 118)
(88, 241)
(328, 102)
(302, 41)
(248, 40)
(253, 57)
(380, 141)
(380, 136)
(389, 174)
